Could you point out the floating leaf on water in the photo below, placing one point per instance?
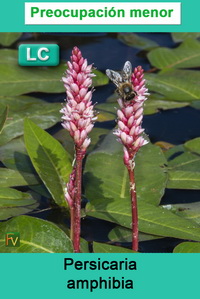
(177, 85)
(14, 156)
(3, 116)
(106, 176)
(164, 145)
(14, 203)
(36, 236)
(43, 113)
(184, 166)
(12, 178)
(137, 41)
(123, 234)
(187, 55)
(51, 161)
(181, 36)
(105, 248)
(16, 80)
(193, 145)
(8, 38)
(152, 220)
(155, 103)
(189, 211)
(187, 247)
(179, 179)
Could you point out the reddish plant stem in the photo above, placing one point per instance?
(72, 223)
(134, 209)
(76, 207)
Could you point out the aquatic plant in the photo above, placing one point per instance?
(132, 91)
(39, 162)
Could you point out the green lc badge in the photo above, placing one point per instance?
(38, 55)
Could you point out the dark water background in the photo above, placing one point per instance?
(174, 126)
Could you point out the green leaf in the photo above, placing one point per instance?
(193, 145)
(184, 180)
(187, 55)
(177, 85)
(16, 80)
(152, 220)
(174, 151)
(8, 56)
(43, 113)
(50, 160)
(187, 247)
(14, 155)
(107, 178)
(106, 112)
(11, 178)
(184, 166)
(66, 140)
(100, 79)
(19, 103)
(154, 103)
(96, 135)
(8, 38)
(185, 162)
(105, 248)
(136, 41)
(84, 246)
(112, 99)
(123, 234)
(154, 106)
(189, 211)
(36, 236)
(3, 116)
(41, 189)
(14, 203)
(195, 104)
(181, 36)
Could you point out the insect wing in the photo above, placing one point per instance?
(127, 71)
(115, 77)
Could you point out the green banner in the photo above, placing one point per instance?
(94, 275)
(130, 16)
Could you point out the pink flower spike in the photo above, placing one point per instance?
(129, 128)
(78, 111)
(78, 118)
